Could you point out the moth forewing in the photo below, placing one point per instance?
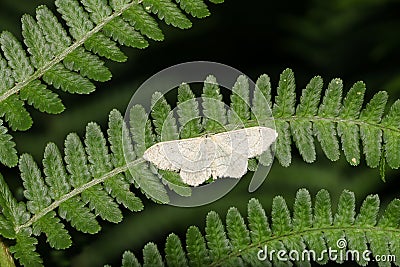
(220, 155)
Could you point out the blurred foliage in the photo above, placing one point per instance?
(351, 39)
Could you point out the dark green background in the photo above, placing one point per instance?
(350, 39)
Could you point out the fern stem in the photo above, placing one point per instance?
(334, 120)
(58, 58)
(78, 191)
(116, 171)
(299, 234)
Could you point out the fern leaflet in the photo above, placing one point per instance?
(71, 60)
(95, 176)
(310, 228)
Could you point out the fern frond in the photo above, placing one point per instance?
(334, 119)
(310, 228)
(70, 57)
(95, 179)
(95, 175)
(330, 121)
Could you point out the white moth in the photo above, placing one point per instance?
(219, 155)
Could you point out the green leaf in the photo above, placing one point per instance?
(118, 136)
(129, 260)
(99, 159)
(163, 119)
(68, 81)
(97, 150)
(73, 209)
(102, 204)
(75, 17)
(124, 34)
(237, 231)
(8, 153)
(302, 214)
(240, 101)
(88, 65)
(261, 108)
(24, 250)
(258, 222)
(302, 128)
(119, 4)
(148, 182)
(14, 212)
(197, 8)
(38, 199)
(325, 130)
(151, 256)
(240, 236)
(349, 131)
(283, 143)
(41, 98)
(331, 103)
(346, 209)
(54, 32)
(98, 9)
(369, 211)
(188, 113)
(286, 97)
(391, 138)
(169, 12)
(175, 183)
(216, 238)
(174, 253)
(214, 109)
(140, 129)
(281, 222)
(80, 217)
(6, 81)
(391, 216)
(299, 233)
(196, 248)
(12, 108)
(6, 229)
(57, 236)
(143, 22)
(322, 218)
(35, 189)
(35, 41)
(100, 44)
(372, 137)
(16, 56)
(56, 175)
(75, 158)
